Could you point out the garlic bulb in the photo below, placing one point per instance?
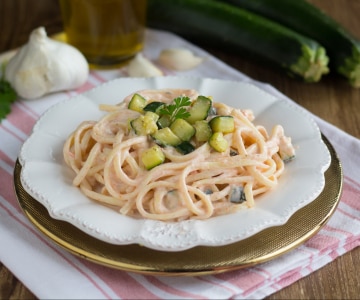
(179, 59)
(140, 66)
(44, 66)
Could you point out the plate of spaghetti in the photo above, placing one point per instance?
(171, 163)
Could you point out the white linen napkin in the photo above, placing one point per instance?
(53, 273)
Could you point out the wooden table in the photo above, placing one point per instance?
(331, 99)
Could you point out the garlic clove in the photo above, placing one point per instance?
(179, 59)
(140, 66)
(44, 66)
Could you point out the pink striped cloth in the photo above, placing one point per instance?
(51, 272)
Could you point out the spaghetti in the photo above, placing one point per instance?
(106, 158)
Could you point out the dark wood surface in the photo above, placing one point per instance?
(332, 99)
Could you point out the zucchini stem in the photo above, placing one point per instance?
(312, 64)
(351, 67)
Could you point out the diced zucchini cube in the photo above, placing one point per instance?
(202, 131)
(218, 142)
(152, 115)
(185, 147)
(237, 195)
(154, 106)
(144, 125)
(137, 103)
(152, 157)
(164, 121)
(224, 124)
(199, 109)
(165, 137)
(182, 129)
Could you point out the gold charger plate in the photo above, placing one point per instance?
(201, 260)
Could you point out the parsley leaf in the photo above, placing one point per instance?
(7, 96)
(177, 110)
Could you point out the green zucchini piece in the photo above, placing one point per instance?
(219, 24)
(154, 106)
(199, 109)
(137, 103)
(237, 195)
(182, 129)
(152, 157)
(300, 15)
(218, 142)
(144, 124)
(165, 137)
(185, 147)
(152, 115)
(202, 131)
(224, 124)
(164, 121)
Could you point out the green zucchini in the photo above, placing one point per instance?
(182, 129)
(137, 103)
(152, 157)
(237, 194)
(224, 124)
(185, 147)
(343, 49)
(218, 142)
(154, 106)
(223, 25)
(164, 121)
(202, 131)
(199, 109)
(144, 124)
(165, 137)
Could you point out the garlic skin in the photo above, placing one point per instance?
(179, 59)
(140, 66)
(44, 66)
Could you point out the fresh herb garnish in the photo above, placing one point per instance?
(7, 95)
(177, 110)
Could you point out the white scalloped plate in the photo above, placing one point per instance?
(46, 177)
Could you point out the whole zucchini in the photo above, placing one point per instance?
(222, 25)
(300, 15)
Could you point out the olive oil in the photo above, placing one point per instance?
(107, 32)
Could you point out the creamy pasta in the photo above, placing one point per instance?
(106, 157)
